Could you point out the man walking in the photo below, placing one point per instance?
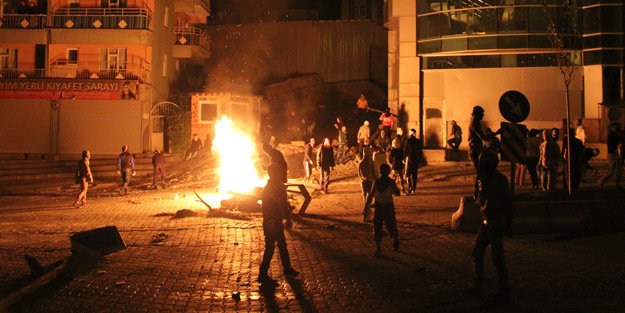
(275, 208)
(125, 167)
(413, 152)
(158, 162)
(495, 204)
(325, 163)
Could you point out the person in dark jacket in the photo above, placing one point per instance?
(125, 167)
(158, 162)
(325, 163)
(577, 154)
(396, 159)
(615, 167)
(382, 192)
(495, 203)
(196, 145)
(413, 153)
(275, 208)
(83, 177)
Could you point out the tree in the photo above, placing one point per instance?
(565, 38)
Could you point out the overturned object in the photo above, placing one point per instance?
(97, 242)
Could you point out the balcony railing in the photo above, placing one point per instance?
(136, 70)
(102, 18)
(191, 36)
(23, 72)
(23, 21)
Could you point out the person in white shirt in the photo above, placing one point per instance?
(580, 132)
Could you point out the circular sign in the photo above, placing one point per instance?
(514, 106)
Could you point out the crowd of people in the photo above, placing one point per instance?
(387, 166)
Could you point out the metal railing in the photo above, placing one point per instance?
(23, 72)
(191, 36)
(102, 18)
(23, 21)
(92, 70)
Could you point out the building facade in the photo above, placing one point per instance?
(93, 74)
(446, 56)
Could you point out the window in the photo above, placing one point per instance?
(112, 58)
(72, 56)
(208, 111)
(74, 3)
(8, 59)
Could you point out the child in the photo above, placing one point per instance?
(382, 191)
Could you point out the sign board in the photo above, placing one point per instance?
(80, 89)
(513, 139)
(514, 106)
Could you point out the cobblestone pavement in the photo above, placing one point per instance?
(197, 264)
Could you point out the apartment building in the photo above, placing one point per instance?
(446, 56)
(93, 74)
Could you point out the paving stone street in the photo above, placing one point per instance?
(209, 262)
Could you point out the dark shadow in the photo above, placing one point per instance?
(307, 305)
(77, 264)
(268, 290)
(302, 219)
(39, 209)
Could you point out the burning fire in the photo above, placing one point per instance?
(237, 152)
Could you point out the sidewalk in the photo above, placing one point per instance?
(197, 263)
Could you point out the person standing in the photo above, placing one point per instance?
(580, 132)
(383, 142)
(532, 154)
(362, 104)
(366, 173)
(615, 167)
(158, 163)
(413, 153)
(577, 151)
(342, 147)
(309, 158)
(455, 140)
(83, 178)
(476, 136)
(549, 157)
(275, 207)
(125, 167)
(396, 159)
(495, 203)
(363, 132)
(325, 163)
(387, 120)
(382, 192)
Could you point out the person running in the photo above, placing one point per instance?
(382, 193)
(275, 207)
(158, 163)
(83, 178)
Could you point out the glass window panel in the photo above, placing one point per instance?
(429, 47)
(592, 57)
(538, 41)
(612, 57)
(509, 60)
(434, 62)
(510, 42)
(482, 42)
(592, 22)
(459, 22)
(513, 19)
(457, 44)
(485, 21)
(208, 112)
(537, 21)
(592, 42)
(611, 19)
(433, 26)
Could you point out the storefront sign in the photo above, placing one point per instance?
(81, 89)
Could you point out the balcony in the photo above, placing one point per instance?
(23, 21)
(191, 42)
(23, 72)
(102, 18)
(137, 69)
